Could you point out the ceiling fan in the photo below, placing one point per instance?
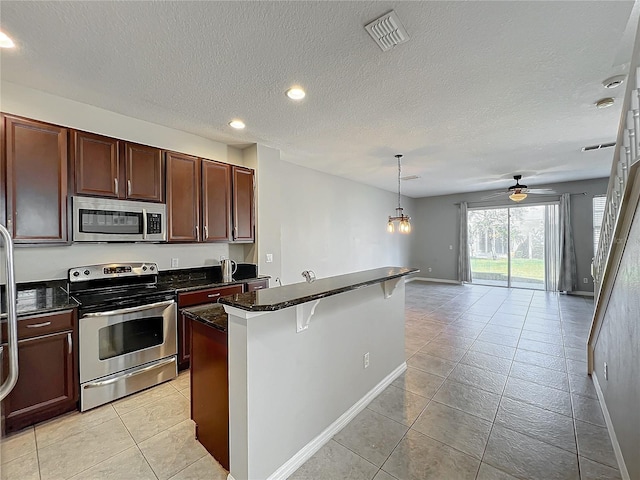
(519, 192)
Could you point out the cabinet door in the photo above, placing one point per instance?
(184, 342)
(189, 299)
(47, 381)
(243, 220)
(96, 165)
(216, 201)
(183, 197)
(36, 163)
(145, 177)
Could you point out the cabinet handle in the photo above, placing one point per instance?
(197, 229)
(206, 232)
(69, 342)
(258, 287)
(235, 232)
(128, 187)
(38, 325)
(213, 295)
(115, 181)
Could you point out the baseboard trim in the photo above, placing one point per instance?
(582, 293)
(624, 473)
(436, 280)
(314, 445)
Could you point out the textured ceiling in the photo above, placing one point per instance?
(481, 91)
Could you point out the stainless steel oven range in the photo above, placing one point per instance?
(127, 330)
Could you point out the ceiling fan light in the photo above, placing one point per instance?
(518, 196)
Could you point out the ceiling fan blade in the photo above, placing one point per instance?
(542, 191)
(495, 195)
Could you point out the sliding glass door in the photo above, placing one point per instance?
(513, 246)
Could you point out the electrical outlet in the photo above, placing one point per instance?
(366, 360)
(606, 371)
(585, 280)
(269, 257)
(174, 263)
(450, 247)
(430, 269)
(222, 257)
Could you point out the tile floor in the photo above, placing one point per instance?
(495, 389)
(147, 436)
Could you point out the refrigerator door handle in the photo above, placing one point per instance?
(12, 320)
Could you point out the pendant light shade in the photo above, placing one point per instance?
(403, 221)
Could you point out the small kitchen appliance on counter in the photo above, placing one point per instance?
(127, 330)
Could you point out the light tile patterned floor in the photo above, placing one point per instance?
(147, 436)
(495, 389)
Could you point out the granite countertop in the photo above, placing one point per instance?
(188, 285)
(211, 314)
(286, 296)
(41, 297)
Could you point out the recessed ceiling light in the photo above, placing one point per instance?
(614, 82)
(5, 41)
(296, 93)
(237, 124)
(605, 102)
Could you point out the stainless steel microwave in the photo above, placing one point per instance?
(107, 220)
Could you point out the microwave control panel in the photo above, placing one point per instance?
(154, 223)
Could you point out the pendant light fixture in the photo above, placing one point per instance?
(403, 221)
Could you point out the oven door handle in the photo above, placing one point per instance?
(130, 374)
(122, 311)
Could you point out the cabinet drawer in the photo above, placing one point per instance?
(257, 285)
(210, 295)
(36, 325)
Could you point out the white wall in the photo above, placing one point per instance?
(286, 388)
(45, 263)
(328, 224)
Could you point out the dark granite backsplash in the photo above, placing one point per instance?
(205, 275)
(40, 297)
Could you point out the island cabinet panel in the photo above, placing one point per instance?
(144, 172)
(243, 205)
(189, 299)
(183, 197)
(35, 155)
(210, 390)
(96, 163)
(47, 380)
(216, 201)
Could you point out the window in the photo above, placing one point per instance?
(598, 213)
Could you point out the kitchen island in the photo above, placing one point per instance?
(303, 360)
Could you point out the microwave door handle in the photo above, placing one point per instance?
(144, 223)
(123, 311)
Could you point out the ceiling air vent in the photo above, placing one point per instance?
(598, 147)
(387, 31)
(410, 177)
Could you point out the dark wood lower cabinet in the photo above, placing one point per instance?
(189, 299)
(210, 390)
(47, 379)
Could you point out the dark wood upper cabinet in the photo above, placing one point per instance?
(35, 155)
(144, 172)
(108, 167)
(96, 163)
(216, 201)
(183, 197)
(243, 211)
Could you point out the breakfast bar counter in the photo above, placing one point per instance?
(305, 359)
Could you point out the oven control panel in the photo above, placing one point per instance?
(112, 270)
